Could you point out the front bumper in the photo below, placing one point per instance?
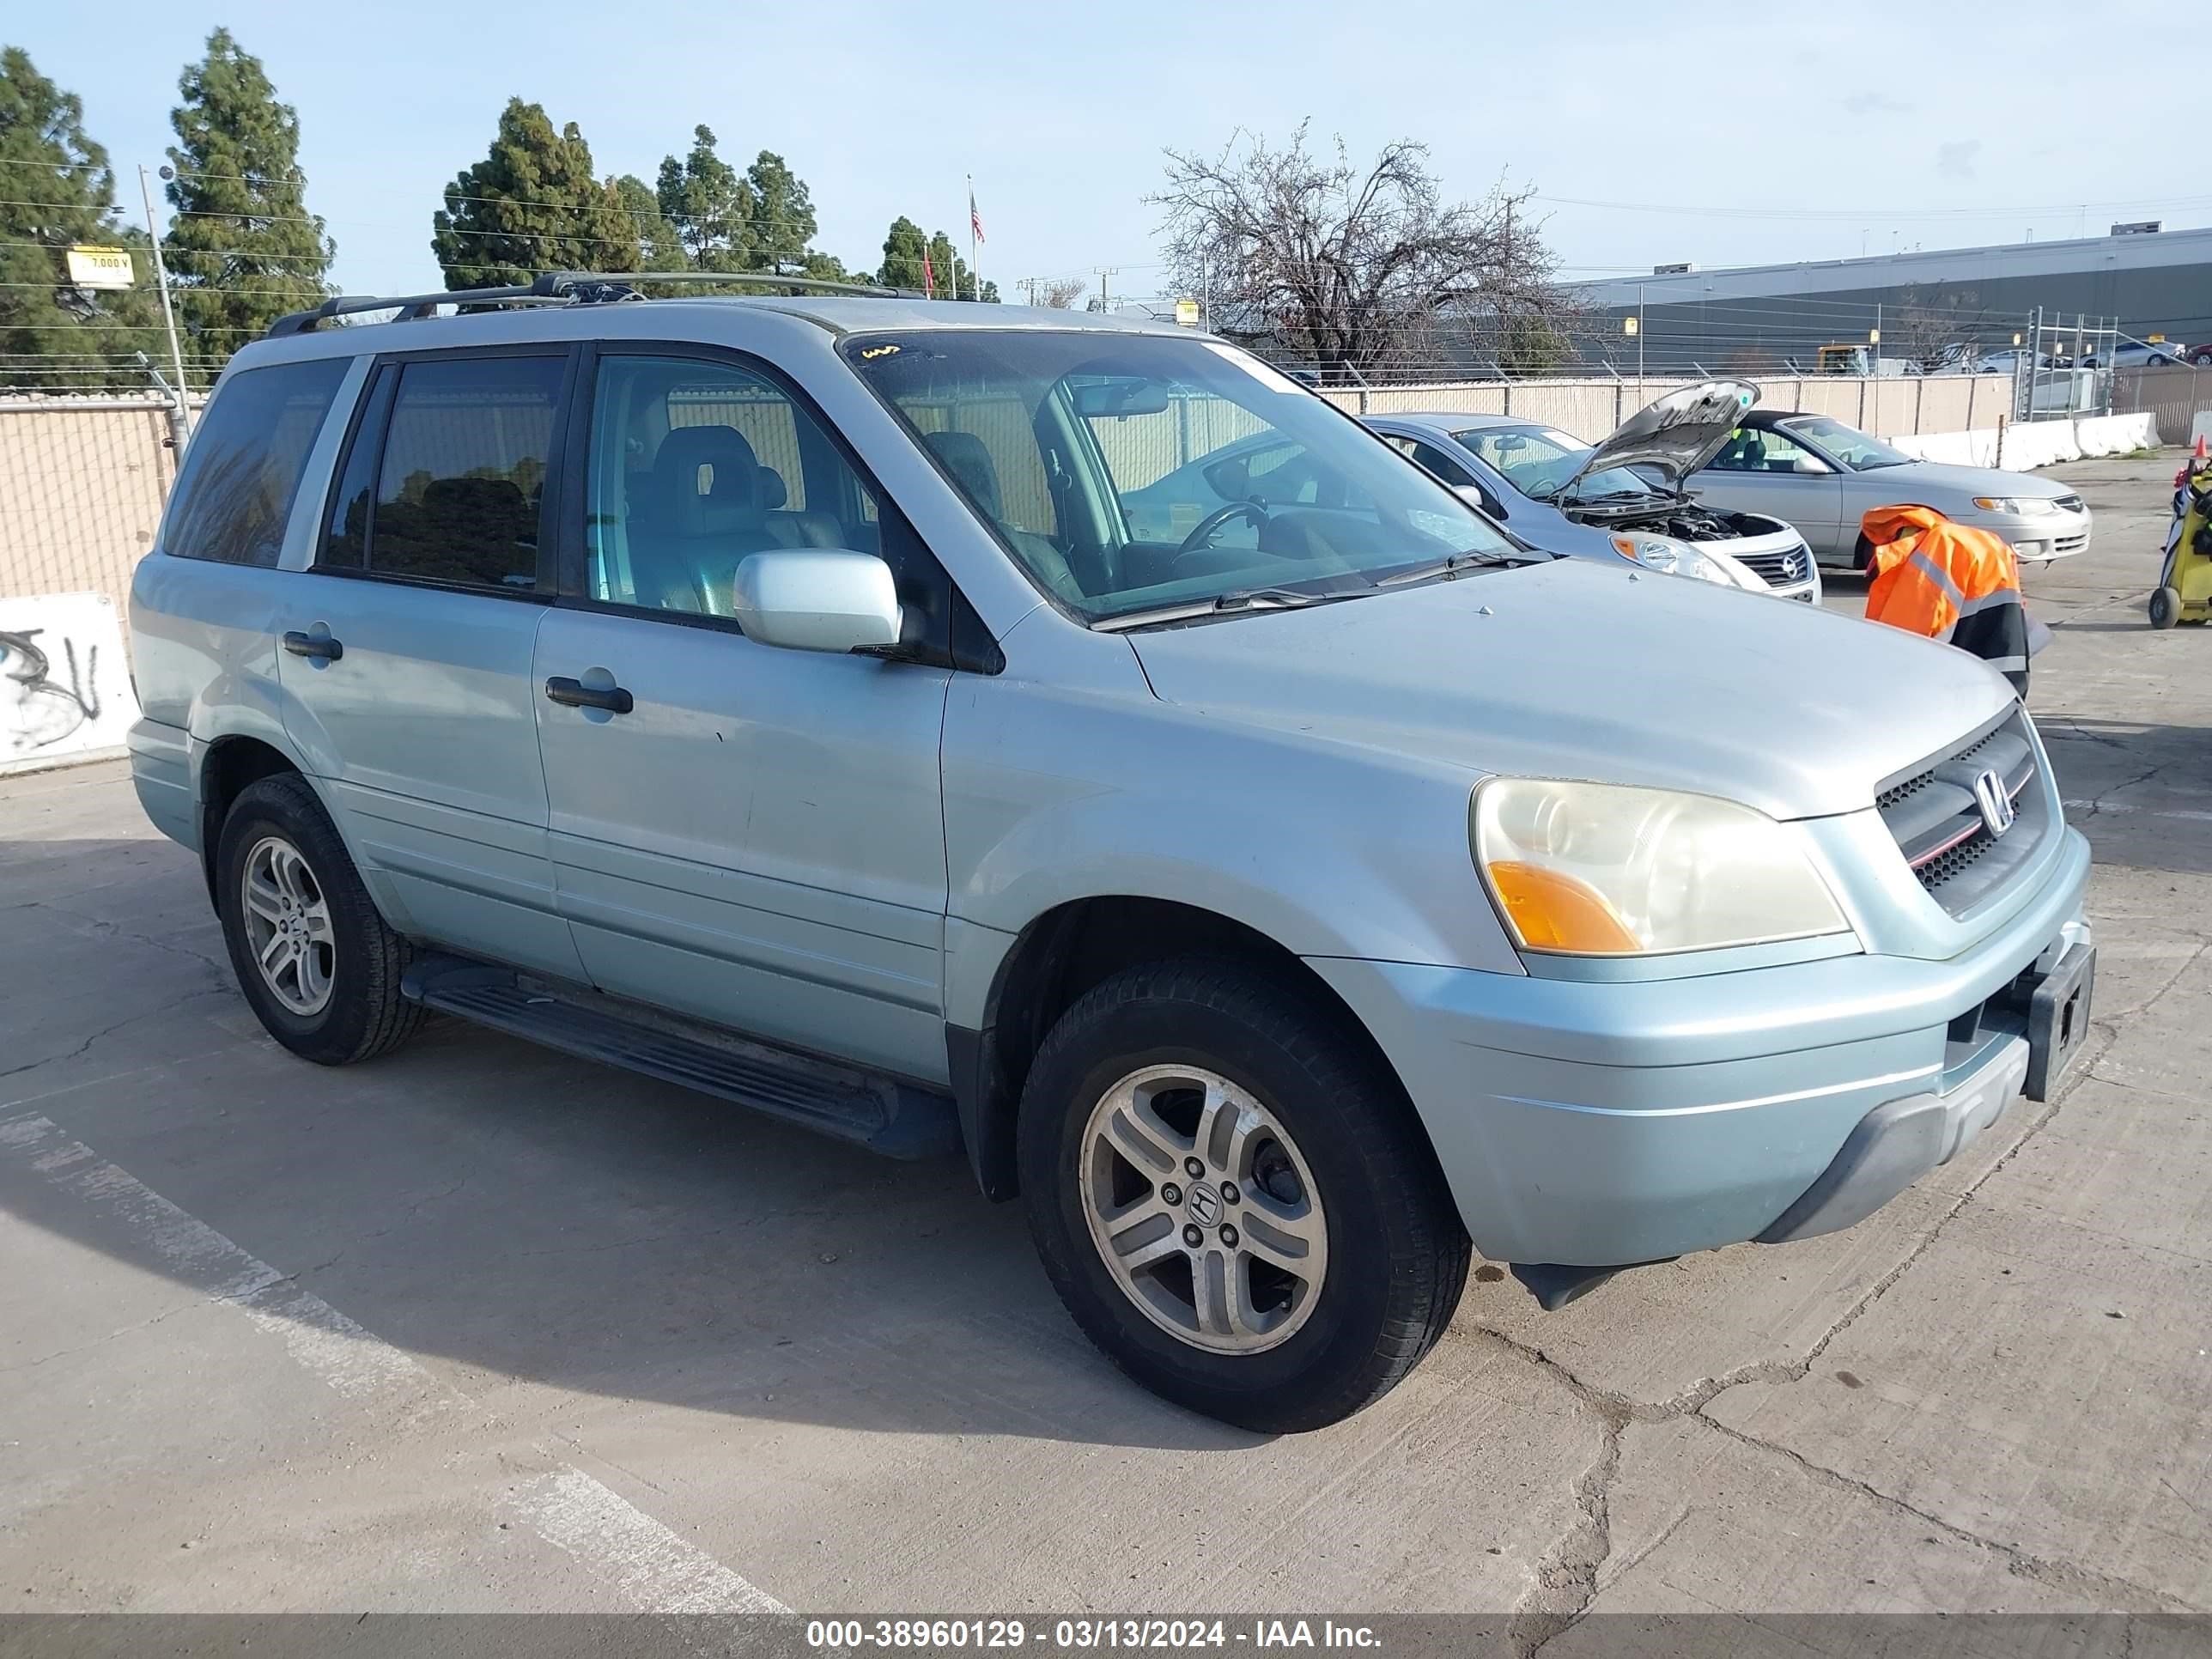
(1609, 1122)
(2041, 537)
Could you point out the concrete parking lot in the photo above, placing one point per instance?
(481, 1327)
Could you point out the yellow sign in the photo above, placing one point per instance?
(1874, 336)
(1628, 325)
(1186, 313)
(2155, 339)
(101, 267)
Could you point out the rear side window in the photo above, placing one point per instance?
(449, 485)
(244, 465)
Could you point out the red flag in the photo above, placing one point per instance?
(928, 276)
(974, 219)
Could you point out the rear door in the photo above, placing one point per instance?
(407, 650)
(1761, 470)
(751, 834)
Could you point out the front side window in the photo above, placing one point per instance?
(1847, 444)
(1132, 471)
(1765, 449)
(1539, 461)
(453, 493)
(245, 463)
(695, 464)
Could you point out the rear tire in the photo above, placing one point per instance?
(2165, 607)
(290, 898)
(1335, 1257)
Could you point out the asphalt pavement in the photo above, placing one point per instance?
(479, 1326)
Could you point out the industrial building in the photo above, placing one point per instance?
(2152, 284)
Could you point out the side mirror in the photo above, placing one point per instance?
(1479, 498)
(816, 600)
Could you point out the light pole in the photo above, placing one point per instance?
(169, 315)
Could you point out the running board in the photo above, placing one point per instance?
(895, 1118)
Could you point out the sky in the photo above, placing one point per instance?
(1651, 133)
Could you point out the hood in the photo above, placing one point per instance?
(1961, 481)
(1571, 669)
(1673, 435)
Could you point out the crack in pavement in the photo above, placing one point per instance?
(1567, 1575)
(105, 1032)
(2109, 1593)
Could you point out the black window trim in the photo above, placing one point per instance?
(371, 419)
(963, 644)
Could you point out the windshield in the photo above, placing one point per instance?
(1129, 472)
(1847, 443)
(1538, 460)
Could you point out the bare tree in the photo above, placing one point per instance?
(1060, 293)
(1359, 270)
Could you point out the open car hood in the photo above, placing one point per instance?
(1672, 436)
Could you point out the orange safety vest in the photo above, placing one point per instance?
(1950, 582)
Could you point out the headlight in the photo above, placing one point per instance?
(1673, 558)
(2019, 506)
(1600, 869)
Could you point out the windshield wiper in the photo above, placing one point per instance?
(1236, 598)
(1450, 565)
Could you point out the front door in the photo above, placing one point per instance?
(1761, 470)
(406, 665)
(751, 834)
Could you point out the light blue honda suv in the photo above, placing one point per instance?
(1283, 895)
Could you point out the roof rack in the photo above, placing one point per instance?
(562, 287)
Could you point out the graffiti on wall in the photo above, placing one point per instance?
(64, 689)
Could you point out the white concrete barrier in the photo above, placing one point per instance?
(2030, 444)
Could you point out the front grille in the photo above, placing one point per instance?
(2072, 544)
(2071, 503)
(1783, 569)
(1933, 814)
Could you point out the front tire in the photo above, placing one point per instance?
(1233, 1197)
(312, 955)
(2165, 607)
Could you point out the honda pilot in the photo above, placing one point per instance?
(810, 698)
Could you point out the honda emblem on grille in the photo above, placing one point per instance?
(1996, 805)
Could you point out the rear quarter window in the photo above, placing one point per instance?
(246, 459)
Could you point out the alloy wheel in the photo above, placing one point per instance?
(1203, 1210)
(287, 926)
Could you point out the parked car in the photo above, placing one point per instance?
(1824, 477)
(2131, 353)
(774, 696)
(1621, 499)
(1269, 469)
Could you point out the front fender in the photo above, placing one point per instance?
(1327, 847)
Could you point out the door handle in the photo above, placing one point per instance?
(574, 694)
(311, 645)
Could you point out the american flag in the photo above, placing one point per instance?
(928, 276)
(974, 219)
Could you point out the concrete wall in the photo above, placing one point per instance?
(1590, 409)
(81, 486)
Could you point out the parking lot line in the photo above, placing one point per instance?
(650, 1567)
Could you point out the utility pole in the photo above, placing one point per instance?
(1102, 272)
(168, 316)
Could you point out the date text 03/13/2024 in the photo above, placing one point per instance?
(1086, 1633)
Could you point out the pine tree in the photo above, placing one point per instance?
(242, 248)
(60, 191)
(532, 205)
(902, 254)
(712, 207)
(783, 214)
(659, 247)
